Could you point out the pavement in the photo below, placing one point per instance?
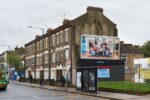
(101, 94)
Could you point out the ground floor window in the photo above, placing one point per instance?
(53, 74)
(37, 74)
(46, 74)
(26, 74)
(32, 74)
(29, 73)
(42, 74)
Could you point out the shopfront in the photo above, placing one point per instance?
(92, 71)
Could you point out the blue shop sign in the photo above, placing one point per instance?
(103, 73)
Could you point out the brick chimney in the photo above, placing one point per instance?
(49, 30)
(37, 36)
(65, 21)
(95, 9)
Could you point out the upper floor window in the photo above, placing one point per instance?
(37, 61)
(41, 44)
(46, 58)
(53, 40)
(57, 56)
(66, 53)
(33, 48)
(33, 61)
(53, 57)
(37, 46)
(66, 35)
(57, 38)
(61, 37)
(29, 49)
(41, 59)
(46, 43)
(61, 55)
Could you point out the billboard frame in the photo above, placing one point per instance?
(106, 38)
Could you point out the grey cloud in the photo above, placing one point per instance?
(131, 16)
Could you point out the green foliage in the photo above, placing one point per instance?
(14, 60)
(124, 85)
(146, 49)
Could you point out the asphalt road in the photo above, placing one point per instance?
(20, 92)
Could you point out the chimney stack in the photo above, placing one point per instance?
(37, 36)
(96, 9)
(65, 21)
(49, 30)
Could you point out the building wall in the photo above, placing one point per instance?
(129, 65)
(60, 52)
(3, 59)
(93, 22)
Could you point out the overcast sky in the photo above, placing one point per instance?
(131, 16)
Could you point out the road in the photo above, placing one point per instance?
(20, 92)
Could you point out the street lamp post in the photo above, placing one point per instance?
(37, 28)
(6, 46)
(42, 29)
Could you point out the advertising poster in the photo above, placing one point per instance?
(92, 80)
(99, 47)
(79, 80)
(103, 73)
(145, 73)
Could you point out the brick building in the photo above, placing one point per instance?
(130, 52)
(18, 51)
(62, 45)
(3, 59)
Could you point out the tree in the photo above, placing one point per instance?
(145, 48)
(14, 60)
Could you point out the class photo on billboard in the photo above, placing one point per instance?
(100, 47)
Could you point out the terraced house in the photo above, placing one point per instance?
(49, 55)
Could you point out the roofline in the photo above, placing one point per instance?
(52, 32)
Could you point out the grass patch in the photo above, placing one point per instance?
(125, 86)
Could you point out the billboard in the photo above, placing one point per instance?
(100, 47)
(142, 70)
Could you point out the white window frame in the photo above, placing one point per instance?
(53, 57)
(57, 38)
(53, 40)
(41, 44)
(46, 58)
(33, 61)
(61, 37)
(67, 53)
(37, 62)
(66, 35)
(46, 43)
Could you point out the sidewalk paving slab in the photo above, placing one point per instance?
(101, 94)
